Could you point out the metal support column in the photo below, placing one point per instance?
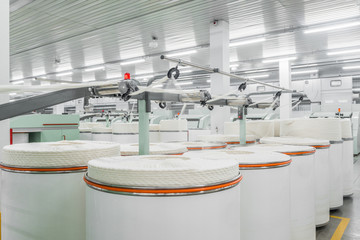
(285, 82)
(242, 122)
(144, 109)
(220, 84)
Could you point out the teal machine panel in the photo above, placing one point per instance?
(44, 128)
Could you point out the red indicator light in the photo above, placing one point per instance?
(127, 76)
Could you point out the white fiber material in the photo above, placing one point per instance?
(154, 127)
(161, 171)
(346, 128)
(277, 123)
(260, 128)
(101, 129)
(89, 125)
(173, 125)
(84, 130)
(276, 148)
(224, 138)
(241, 155)
(202, 145)
(155, 149)
(320, 128)
(295, 141)
(57, 154)
(125, 127)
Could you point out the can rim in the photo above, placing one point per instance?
(151, 191)
(60, 169)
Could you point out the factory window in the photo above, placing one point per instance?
(335, 83)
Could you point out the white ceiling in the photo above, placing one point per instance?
(84, 33)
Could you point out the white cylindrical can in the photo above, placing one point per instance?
(322, 174)
(154, 133)
(265, 191)
(136, 197)
(348, 159)
(43, 195)
(125, 133)
(173, 130)
(228, 139)
(85, 134)
(155, 149)
(101, 134)
(257, 128)
(196, 146)
(322, 128)
(336, 174)
(302, 183)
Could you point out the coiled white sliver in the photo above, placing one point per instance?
(320, 128)
(260, 128)
(84, 130)
(161, 171)
(155, 149)
(224, 138)
(101, 129)
(241, 155)
(346, 128)
(57, 154)
(277, 127)
(125, 128)
(275, 148)
(295, 141)
(89, 124)
(154, 127)
(202, 145)
(173, 125)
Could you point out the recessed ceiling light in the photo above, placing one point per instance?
(279, 60)
(305, 72)
(246, 42)
(181, 53)
(351, 67)
(259, 76)
(64, 74)
(333, 27)
(183, 83)
(132, 62)
(94, 69)
(343, 52)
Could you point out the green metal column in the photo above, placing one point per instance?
(242, 122)
(143, 128)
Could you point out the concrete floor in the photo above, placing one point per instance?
(349, 215)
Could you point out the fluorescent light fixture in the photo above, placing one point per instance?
(259, 76)
(18, 82)
(181, 53)
(343, 52)
(333, 27)
(279, 60)
(257, 71)
(64, 74)
(304, 72)
(183, 83)
(351, 67)
(208, 81)
(246, 42)
(94, 69)
(132, 62)
(12, 94)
